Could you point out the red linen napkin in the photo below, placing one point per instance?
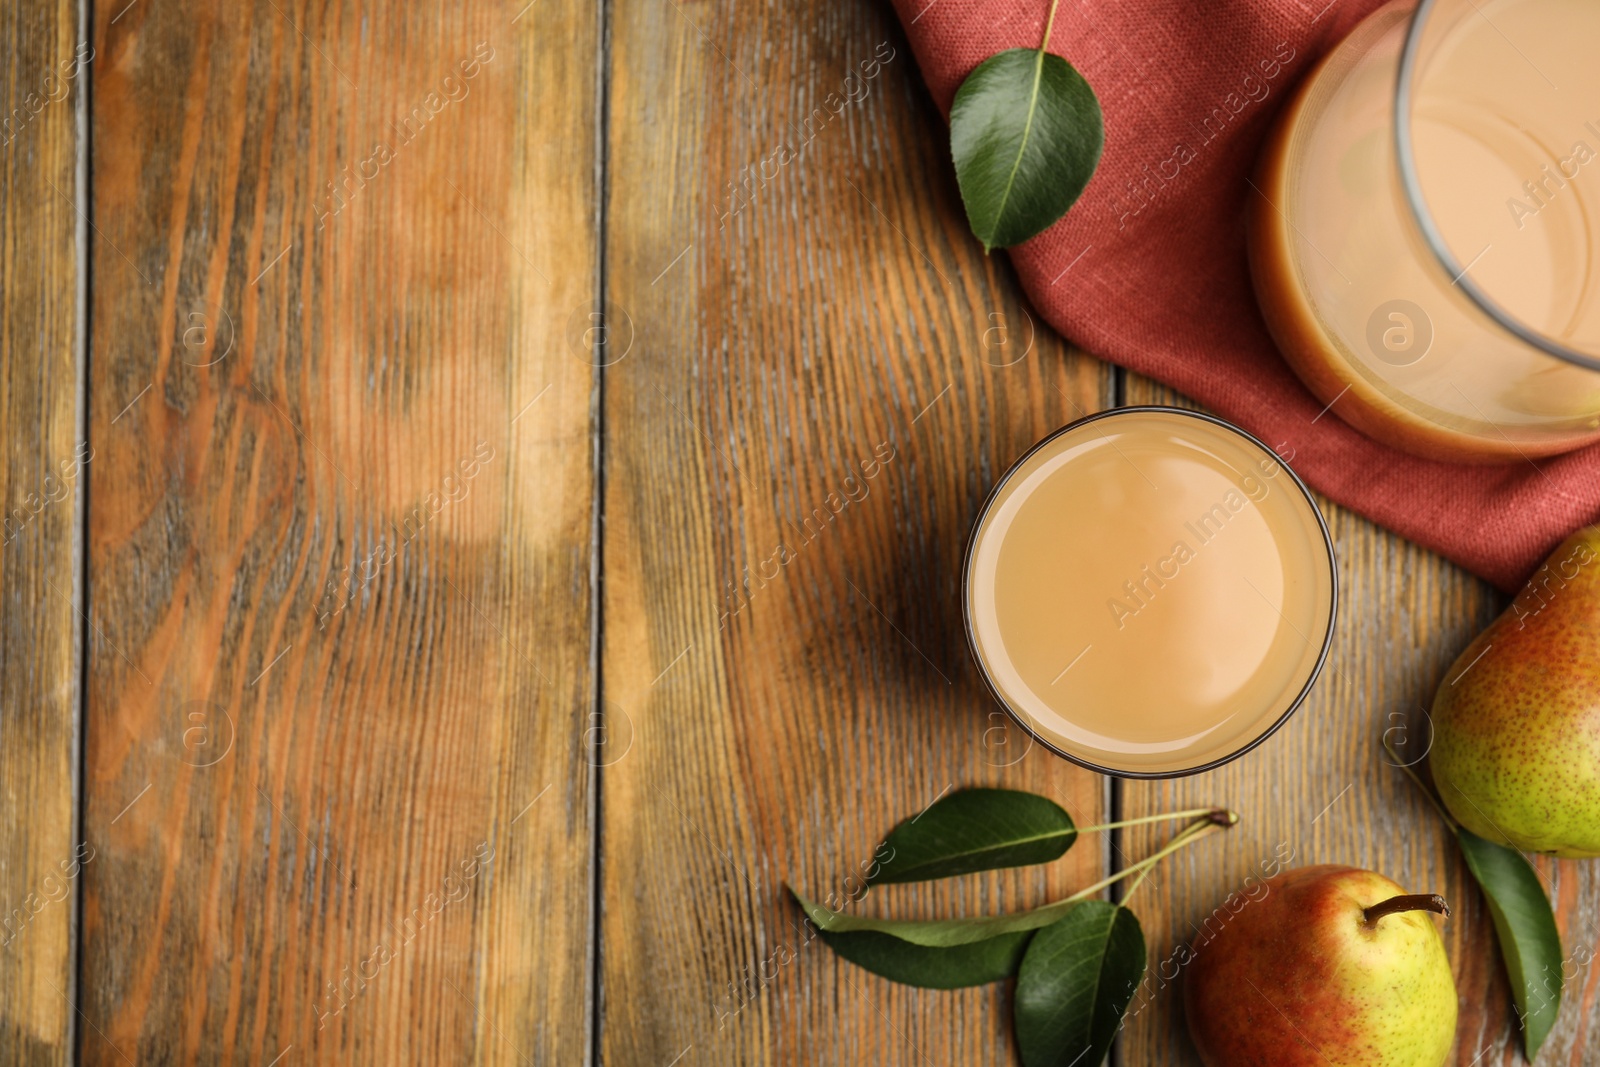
(1149, 272)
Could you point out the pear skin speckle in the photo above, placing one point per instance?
(1516, 751)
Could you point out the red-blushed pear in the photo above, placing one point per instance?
(1332, 967)
(1516, 742)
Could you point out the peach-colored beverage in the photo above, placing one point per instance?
(1150, 591)
(1426, 238)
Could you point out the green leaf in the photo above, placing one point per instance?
(976, 963)
(937, 933)
(1076, 980)
(975, 830)
(1525, 926)
(1026, 134)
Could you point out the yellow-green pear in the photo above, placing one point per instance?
(1516, 748)
(1333, 967)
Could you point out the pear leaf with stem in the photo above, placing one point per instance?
(982, 830)
(1026, 134)
(945, 933)
(975, 830)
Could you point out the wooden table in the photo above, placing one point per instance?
(443, 602)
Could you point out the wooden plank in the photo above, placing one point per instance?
(340, 534)
(41, 477)
(816, 400)
(1323, 791)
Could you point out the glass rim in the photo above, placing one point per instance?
(1293, 705)
(1405, 157)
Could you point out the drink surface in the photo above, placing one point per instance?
(1150, 591)
(1506, 139)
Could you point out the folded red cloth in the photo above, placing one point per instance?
(1148, 270)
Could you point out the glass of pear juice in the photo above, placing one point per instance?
(1150, 592)
(1425, 228)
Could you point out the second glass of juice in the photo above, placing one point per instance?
(1425, 228)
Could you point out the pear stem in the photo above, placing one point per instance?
(1211, 820)
(1049, 24)
(1186, 836)
(1190, 814)
(1406, 902)
(1183, 837)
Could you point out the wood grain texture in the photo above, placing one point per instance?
(1322, 790)
(349, 765)
(41, 475)
(340, 535)
(826, 375)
